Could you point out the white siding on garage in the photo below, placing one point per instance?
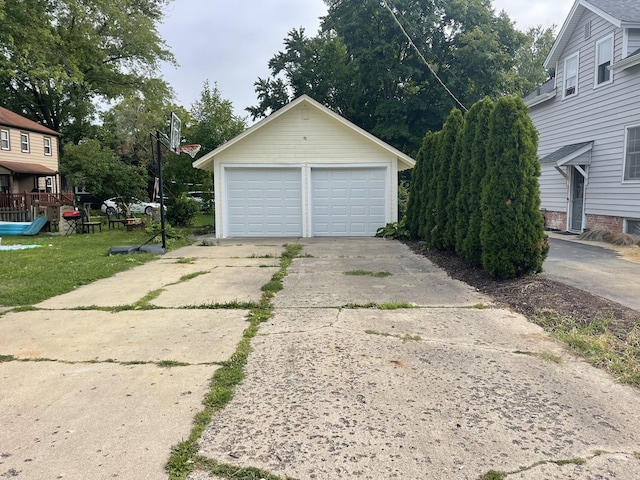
(348, 201)
(264, 202)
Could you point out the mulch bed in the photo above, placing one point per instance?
(533, 293)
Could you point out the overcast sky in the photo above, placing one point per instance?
(231, 42)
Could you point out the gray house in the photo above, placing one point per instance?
(588, 119)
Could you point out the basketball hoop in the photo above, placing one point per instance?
(191, 150)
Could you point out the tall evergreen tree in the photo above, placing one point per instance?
(453, 186)
(512, 233)
(450, 131)
(471, 248)
(463, 157)
(428, 192)
(416, 200)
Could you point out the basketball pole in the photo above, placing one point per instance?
(160, 191)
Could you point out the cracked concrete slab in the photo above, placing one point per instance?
(223, 285)
(130, 286)
(192, 336)
(335, 400)
(98, 421)
(321, 289)
(235, 248)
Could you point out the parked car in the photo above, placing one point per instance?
(110, 206)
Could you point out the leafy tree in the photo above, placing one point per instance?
(364, 67)
(512, 232)
(101, 172)
(530, 57)
(212, 120)
(318, 67)
(127, 126)
(61, 56)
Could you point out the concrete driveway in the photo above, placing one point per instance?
(451, 388)
(445, 390)
(91, 393)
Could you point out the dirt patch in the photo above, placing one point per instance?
(533, 293)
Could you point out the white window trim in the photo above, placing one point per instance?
(624, 156)
(564, 75)
(46, 140)
(8, 140)
(597, 61)
(22, 148)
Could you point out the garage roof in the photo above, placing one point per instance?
(206, 162)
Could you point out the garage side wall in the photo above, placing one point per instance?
(305, 137)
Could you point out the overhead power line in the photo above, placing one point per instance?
(395, 18)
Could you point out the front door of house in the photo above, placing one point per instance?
(577, 200)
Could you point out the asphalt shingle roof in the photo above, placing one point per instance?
(564, 152)
(12, 119)
(624, 10)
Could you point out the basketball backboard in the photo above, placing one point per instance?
(174, 134)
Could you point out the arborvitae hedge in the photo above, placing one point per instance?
(450, 131)
(429, 191)
(416, 202)
(471, 246)
(512, 232)
(475, 188)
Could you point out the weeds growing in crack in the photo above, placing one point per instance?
(184, 457)
(367, 273)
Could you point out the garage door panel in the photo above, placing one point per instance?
(348, 201)
(264, 201)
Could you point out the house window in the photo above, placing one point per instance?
(24, 142)
(47, 146)
(571, 76)
(632, 226)
(4, 140)
(632, 154)
(604, 58)
(4, 183)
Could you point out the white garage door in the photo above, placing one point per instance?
(347, 201)
(264, 202)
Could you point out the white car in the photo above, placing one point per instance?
(110, 207)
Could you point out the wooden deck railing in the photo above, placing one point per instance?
(19, 207)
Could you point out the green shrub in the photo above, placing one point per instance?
(394, 230)
(182, 211)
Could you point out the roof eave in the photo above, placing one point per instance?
(540, 99)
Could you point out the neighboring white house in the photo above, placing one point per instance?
(304, 171)
(588, 119)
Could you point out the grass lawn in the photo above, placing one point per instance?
(64, 263)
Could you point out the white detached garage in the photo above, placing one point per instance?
(304, 171)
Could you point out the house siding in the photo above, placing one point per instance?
(35, 155)
(599, 114)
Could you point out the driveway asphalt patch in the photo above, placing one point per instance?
(97, 421)
(191, 336)
(338, 402)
